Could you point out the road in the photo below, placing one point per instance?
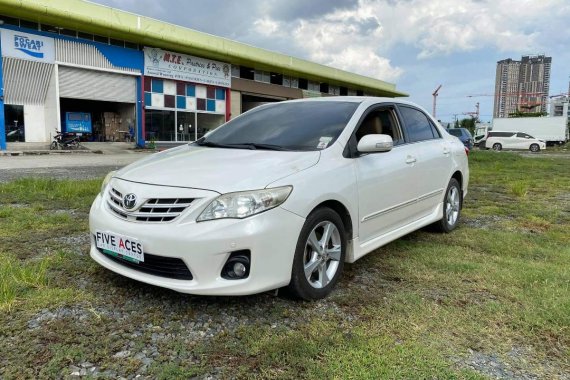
(64, 166)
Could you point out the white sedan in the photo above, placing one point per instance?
(281, 196)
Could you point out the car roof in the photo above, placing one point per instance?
(362, 100)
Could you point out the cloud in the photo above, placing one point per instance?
(445, 27)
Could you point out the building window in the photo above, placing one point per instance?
(246, 73)
(68, 32)
(235, 71)
(29, 24)
(115, 42)
(303, 84)
(262, 76)
(314, 86)
(159, 125)
(10, 21)
(49, 28)
(276, 79)
(85, 36)
(208, 122)
(101, 39)
(188, 101)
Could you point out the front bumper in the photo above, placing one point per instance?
(271, 237)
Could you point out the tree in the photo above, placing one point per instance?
(468, 123)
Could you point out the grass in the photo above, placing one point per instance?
(419, 307)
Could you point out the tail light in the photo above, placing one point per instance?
(467, 151)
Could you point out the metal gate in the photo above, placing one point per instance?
(80, 83)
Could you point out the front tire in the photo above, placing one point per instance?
(319, 255)
(452, 204)
(53, 145)
(497, 147)
(534, 148)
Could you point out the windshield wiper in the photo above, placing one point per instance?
(213, 144)
(262, 146)
(252, 146)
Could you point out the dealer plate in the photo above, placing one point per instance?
(120, 245)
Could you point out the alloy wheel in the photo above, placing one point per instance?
(322, 254)
(452, 205)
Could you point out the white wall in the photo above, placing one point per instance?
(34, 122)
(235, 99)
(51, 109)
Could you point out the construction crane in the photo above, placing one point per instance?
(435, 93)
(513, 93)
(475, 114)
(523, 101)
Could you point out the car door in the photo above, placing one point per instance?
(386, 183)
(433, 162)
(523, 140)
(509, 141)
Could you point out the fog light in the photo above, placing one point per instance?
(237, 266)
(239, 269)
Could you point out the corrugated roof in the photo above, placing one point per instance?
(98, 19)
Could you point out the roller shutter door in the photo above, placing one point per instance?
(96, 85)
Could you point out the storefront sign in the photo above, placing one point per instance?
(27, 46)
(166, 64)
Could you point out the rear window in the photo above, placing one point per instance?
(455, 132)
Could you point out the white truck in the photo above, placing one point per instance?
(551, 129)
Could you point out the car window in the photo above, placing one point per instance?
(524, 135)
(501, 134)
(455, 132)
(418, 126)
(292, 126)
(380, 122)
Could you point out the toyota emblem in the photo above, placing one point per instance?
(129, 201)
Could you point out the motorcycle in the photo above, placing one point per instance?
(63, 140)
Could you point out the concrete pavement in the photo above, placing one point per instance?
(66, 166)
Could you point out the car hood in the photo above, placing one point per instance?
(218, 169)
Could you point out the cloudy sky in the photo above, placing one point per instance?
(417, 44)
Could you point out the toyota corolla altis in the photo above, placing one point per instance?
(281, 196)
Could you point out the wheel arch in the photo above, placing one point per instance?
(458, 176)
(342, 211)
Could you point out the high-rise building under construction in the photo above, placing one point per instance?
(522, 86)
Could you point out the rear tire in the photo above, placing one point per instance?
(319, 256)
(497, 147)
(452, 204)
(534, 148)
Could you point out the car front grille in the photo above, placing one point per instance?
(152, 210)
(169, 267)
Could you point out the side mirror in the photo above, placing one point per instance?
(375, 143)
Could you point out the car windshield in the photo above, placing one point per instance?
(455, 132)
(296, 126)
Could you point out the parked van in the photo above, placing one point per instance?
(513, 140)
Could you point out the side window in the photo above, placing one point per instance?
(417, 125)
(435, 131)
(524, 135)
(380, 122)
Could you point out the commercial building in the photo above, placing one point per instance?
(522, 86)
(76, 66)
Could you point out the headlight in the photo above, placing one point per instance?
(243, 204)
(106, 181)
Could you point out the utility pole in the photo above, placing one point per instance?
(477, 112)
(435, 93)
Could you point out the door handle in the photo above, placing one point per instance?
(410, 160)
(446, 151)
